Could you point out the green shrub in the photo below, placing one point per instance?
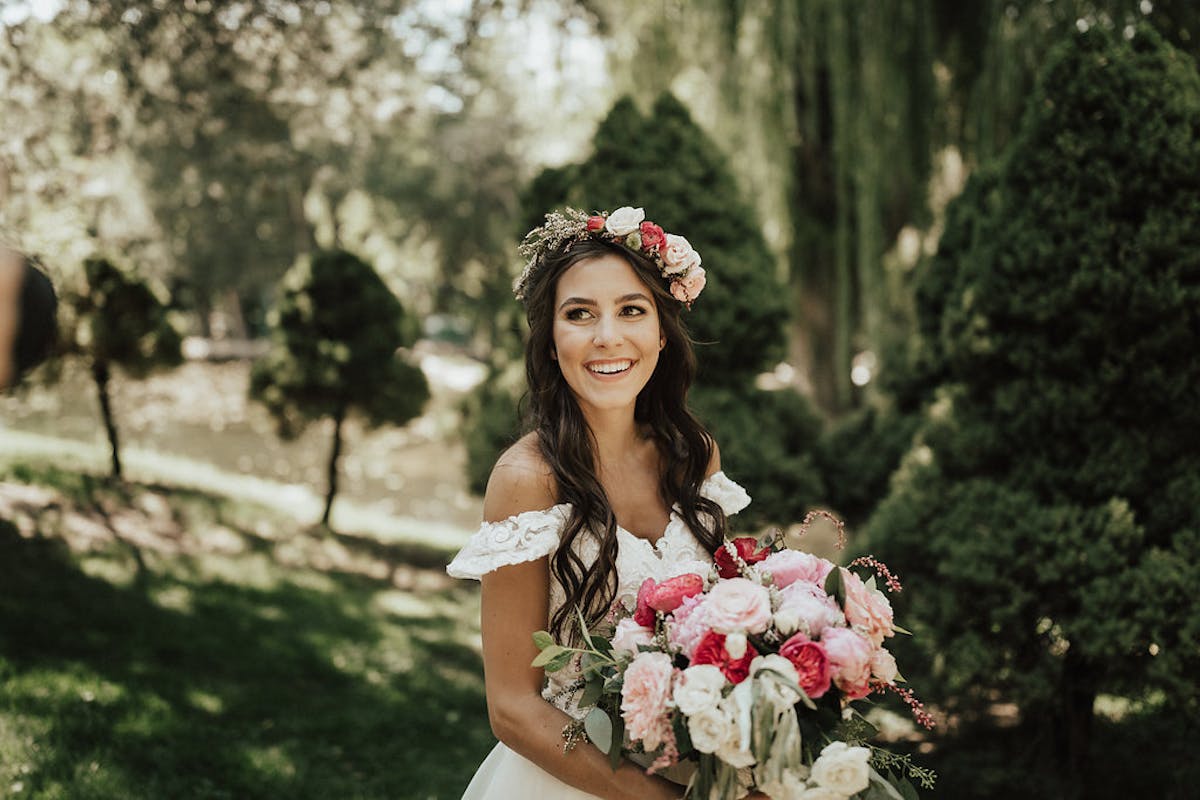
(335, 337)
(117, 319)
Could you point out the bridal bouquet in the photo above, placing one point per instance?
(750, 672)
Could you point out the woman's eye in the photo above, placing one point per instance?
(576, 314)
(633, 311)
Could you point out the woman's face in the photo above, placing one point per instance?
(606, 332)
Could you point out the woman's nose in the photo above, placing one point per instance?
(605, 332)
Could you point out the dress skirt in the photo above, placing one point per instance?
(506, 775)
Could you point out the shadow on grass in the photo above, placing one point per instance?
(202, 688)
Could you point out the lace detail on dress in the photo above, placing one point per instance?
(520, 538)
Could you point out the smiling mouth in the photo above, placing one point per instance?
(610, 367)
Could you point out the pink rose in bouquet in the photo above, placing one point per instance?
(867, 608)
(689, 624)
(644, 696)
(811, 663)
(805, 606)
(850, 654)
(738, 605)
(628, 635)
(788, 566)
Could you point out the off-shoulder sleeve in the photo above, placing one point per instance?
(721, 489)
(523, 537)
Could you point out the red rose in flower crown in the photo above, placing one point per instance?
(653, 237)
(747, 550)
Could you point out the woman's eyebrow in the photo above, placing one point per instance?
(587, 301)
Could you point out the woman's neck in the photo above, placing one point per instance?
(618, 436)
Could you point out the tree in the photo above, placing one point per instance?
(335, 337)
(119, 321)
(1050, 507)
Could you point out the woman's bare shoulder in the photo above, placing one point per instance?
(520, 481)
(714, 459)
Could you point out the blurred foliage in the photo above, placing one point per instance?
(1049, 509)
(117, 319)
(335, 340)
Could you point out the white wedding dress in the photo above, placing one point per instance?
(505, 775)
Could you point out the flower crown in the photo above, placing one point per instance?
(677, 262)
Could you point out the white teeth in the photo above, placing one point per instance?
(611, 369)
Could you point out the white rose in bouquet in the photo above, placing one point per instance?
(625, 220)
(699, 689)
(843, 768)
(628, 635)
(883, 666)
(709, 729)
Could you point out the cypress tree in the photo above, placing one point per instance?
(1049, 516)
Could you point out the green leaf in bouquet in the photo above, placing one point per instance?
(543, 640)
(880, 789)
(618, 736)
(559, 661)
(599, 729)
(583, 628)
(548, 654)
(683, 739)
(907, 790)
(613, 683)
(898, 629)
(835, 587)
(593, 690)
(602, 645)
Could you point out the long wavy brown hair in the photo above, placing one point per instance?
(568, 447)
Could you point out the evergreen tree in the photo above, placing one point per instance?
(334, 341)
(1049, 517)
(119, 321)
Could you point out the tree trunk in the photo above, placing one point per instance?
(1075, 723)
(338, 418)
(100, 373)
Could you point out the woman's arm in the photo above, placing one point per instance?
(515, 604)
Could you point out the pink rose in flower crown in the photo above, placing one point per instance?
(811, 663)
(595, 223)
(689, 287)
(867, 608)
(788, 566)
(737, 605)
(644, 696)
(628, 635)
(653, 237)
(712, 650)
(678, 256)
(850, 655)
(747, 550)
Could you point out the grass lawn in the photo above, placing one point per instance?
(165, 643)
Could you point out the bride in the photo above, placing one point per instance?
(615, 482)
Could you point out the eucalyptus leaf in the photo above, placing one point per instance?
(548, 653)
(559, 661)
(543, 640)
(908, 790)
(618, 736)
(593, 690)
(599, 729)
(583, 628)
(884, 790)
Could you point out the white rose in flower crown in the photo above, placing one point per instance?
(625, 220)
(883, 666)
(699, 689)
(678, 256)
(709, 729)
(628, 635)
(843, 768)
